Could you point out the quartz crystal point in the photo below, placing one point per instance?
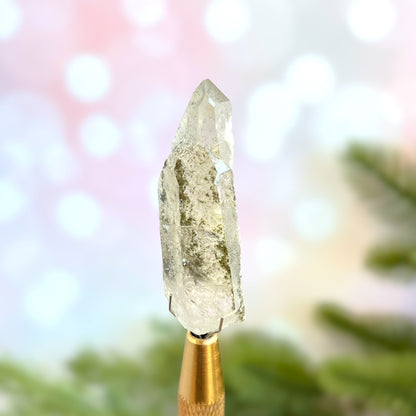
(198, 217)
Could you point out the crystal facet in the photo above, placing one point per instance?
(198, 217)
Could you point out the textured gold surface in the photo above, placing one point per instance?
(201, 385)
(187, 408)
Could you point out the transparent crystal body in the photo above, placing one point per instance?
(198, 217)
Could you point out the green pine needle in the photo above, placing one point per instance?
(386, 383)
(267, 377)
(396, 259)
(31, 394)
(387, 181)
(394, 333)
(263, 377)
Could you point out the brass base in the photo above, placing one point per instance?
(201, 386)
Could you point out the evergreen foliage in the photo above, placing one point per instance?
(384, 382)
(394, 259)
(383, 332)
(388, 183)
(263, 377)
(383, 377)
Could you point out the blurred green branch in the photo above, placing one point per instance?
(267, 377)
(396, 259)
(394, 333)
(386, 180)
(263, 377)
(383, 382)
(31, 394)
(383, 377)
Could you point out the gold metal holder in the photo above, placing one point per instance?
(201, 386)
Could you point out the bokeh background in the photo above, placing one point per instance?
(91, 93)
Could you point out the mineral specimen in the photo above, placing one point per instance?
(198, 217)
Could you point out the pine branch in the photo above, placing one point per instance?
(267, 377)
(31, 394)
(398, 259)
(388, 182)
(263, 377)
(394, 333)
(136, 385)
(385, 383)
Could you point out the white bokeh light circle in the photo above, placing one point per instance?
(144, 13)
(100, 136)
(274, 255)
(315, 219)
(88, 77)
(311, 77)
(10, 19)
(47, 302)
(358, 112)
(262, 144)
(79, 214)
(372, 20)
(272, 112)
(227, 20)
(390, 109)
(12, 200)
